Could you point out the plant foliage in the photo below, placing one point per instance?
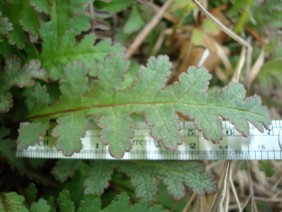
(112, 103)
(59, 78)
(144, 177)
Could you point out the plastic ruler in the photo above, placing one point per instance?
(233, 146)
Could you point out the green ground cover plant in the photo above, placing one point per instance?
(65, 68)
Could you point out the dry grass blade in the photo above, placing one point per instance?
(257, 66)
(147, 29)
(239, 66)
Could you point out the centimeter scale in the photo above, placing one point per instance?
(257, 146)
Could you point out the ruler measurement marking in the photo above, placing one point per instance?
(233, 146)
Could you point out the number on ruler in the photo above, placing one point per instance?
(193, 145)
(190, 132)
(230, 131)
(261, 147)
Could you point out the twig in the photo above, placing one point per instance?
(147, 29)
(234, 36)
(189, 202)
(167, 15)
(234, 190)
(253, 201)
(221, 188)
(223, 27)
(240, 64)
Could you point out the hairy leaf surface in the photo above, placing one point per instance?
(145, 176)
(112, 105)
(23, 18)
(65, 202)
(40, 206)
(65, 169)
(30, 132)
(121, 203)
(59, 45)
(70, 128)
(15, 74)
(5, 25)
(12, 202)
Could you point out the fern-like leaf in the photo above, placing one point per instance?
(67, 139)
(145, 176)
(23, 18)
(15, 74)
(5, 25)
(40, 206)
(113, 104)
(65, 169)
(30, 132)
(12, 202)
(65, 202)
(59, 45)
(121, 203)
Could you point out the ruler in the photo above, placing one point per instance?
(257, 146)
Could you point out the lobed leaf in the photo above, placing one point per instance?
(65, 202)
(36, 96)
(75, 81)
(175, 175)
(41, 5)
(5, 25)
(30, 132)
(59, 45)
(12, 202)
(98, 178)
(67, 131)
(40, 206)
(15, 74)
(145, 176)
(113, 104)
(90, 203)
(121, 203)
(65, 169)
(23, 19)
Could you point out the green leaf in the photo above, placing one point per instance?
(59, 45)
(23, 18)
(41, 5)
(7, 151)
(109, 73)
(17, 75)
(121, 203)
(149, 96)
(30, 132)
(29, 20)
(65, 169)
(5, 25)
(145, 176)
(114, 6)
(65, 202)
(6, 102)
(36, 96)
(134, 22)
(12, 202)
(40, 206)
(98, 178)
(31, 193)
(175, 175)
(67, 131)
(75, 82)
(90, 203)
(270, 76)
